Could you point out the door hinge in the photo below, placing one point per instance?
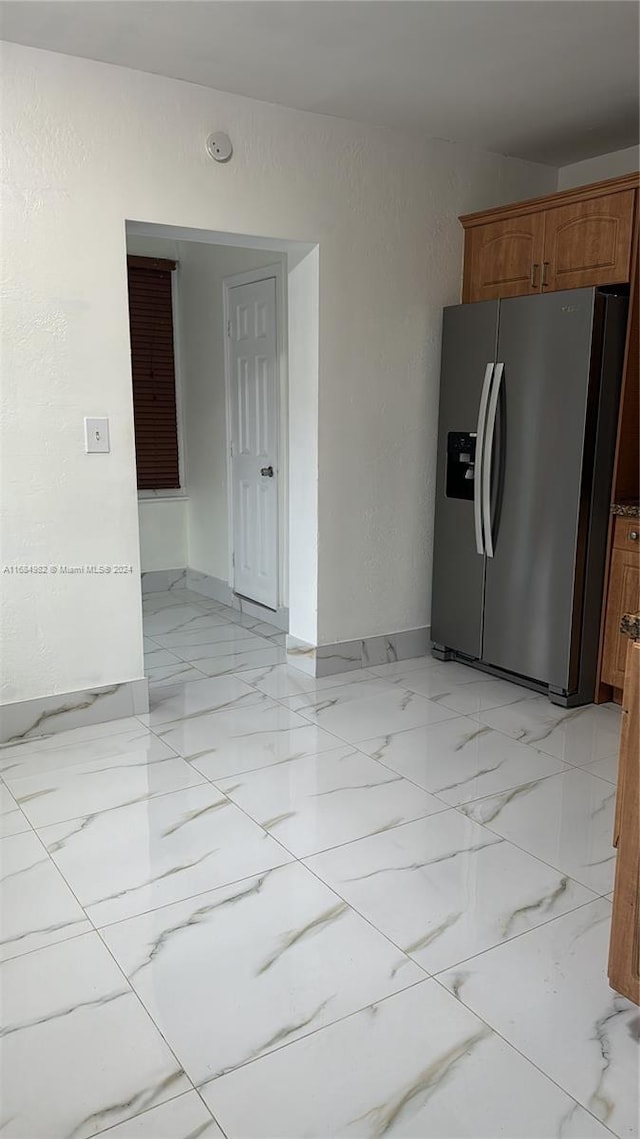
(233, 560)
(228, 328)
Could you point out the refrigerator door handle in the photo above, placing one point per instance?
(487, 458)
(477, 485)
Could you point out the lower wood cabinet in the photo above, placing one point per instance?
(624, 946)
(623, 597)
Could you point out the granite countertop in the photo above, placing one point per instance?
(630, 626)
(626, 509)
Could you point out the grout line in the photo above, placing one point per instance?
(95, 930)
(516, 936)
(206, 1105)
(292, 861)
(524, 850)
(181, 1070)
(141, 1114)
(188, 898)
(314, 1032)
(130, 802)
(457, 807)
(524, 1056)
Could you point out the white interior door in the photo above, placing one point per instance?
(253, 371)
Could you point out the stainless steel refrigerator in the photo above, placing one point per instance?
(529, 396)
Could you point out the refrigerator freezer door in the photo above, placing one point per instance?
(468, 346)
(540, 498)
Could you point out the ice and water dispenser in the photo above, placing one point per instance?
(461, 458)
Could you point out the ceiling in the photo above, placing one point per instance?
(553, 81)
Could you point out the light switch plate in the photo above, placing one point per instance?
(96, 436)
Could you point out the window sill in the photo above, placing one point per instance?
(162, 495)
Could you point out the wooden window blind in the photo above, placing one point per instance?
(153, 372)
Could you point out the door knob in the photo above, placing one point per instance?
(266, 472)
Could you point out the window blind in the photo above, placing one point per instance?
(153, 372)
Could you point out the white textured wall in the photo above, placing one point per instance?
(201, 272)
(163, 533)
(600, 168)
(87, 145)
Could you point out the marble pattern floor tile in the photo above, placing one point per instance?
(241, 660)
(578, 736)
(181, 619)
(547, 993)
(440, 835)
(357, 711)
(137, 746)
(185, 1117)
(152, 602)
(283, 680)
(460, 759)
(604, 768)
(197, 698)
(434, 679)
(122, 862)
(321, 801)
(71, 793)
(165, 675)
(416, 1064)
(395, 669)
(228, 641)
(79, 1052)
(265, 629)
(243, 620)
(36, 906)
(566, 820)
(473, 698)
(244, 739)
(37, 745)
(157, 657)
(12, 820)
(212, 634)
(444, 890)
(273, 958)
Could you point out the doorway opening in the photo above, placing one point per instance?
(223, 543)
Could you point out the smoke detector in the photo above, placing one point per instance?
(219, 146)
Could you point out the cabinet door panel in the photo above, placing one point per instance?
(501, 256)
(624, 946)
(589, 243)
(623, 597)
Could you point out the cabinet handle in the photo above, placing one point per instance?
(544, 282)
(534, 270)
(634, 535)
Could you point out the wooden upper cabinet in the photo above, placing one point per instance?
(589, 243)
(504, 259)
(577, 238)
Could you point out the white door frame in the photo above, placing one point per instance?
(249, 278)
